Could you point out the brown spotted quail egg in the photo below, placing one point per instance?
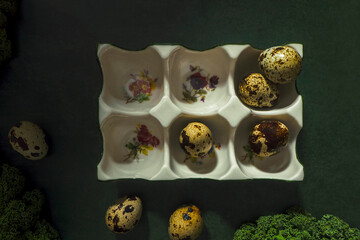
(268, 138)
(29, 140)
(196, 139)
(281, 64)
(185, 223)
(123, 216)
(256, 91)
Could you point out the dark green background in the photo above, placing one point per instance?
(55, 80)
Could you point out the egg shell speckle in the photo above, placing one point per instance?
(185, 223)
(123, 216)
(29, 140)
(268, 138)
(196, 139)
(280, 64)
(256, 91)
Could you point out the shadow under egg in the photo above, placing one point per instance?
(202, 165)
(274, 164)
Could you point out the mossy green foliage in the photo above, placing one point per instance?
(297, 224)
(42, 231)
(7, 10)
(5, 47)
(20, 209)
(8, 7)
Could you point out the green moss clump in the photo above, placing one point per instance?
(20, 209)
(5, 47)
(297, 224)
(7, 9)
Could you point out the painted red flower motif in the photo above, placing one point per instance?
(144, 135)
(144, 86)
(154, 141)
(140, 86)
(134, 88)
(146, 138)
(197, 81)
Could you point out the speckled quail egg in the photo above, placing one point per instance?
(29, 140)
(281, 64)
(256, 91)
(196, 139)
(268, 138)
(185, 223)
(123, 216)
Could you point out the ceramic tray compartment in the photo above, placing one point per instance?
(121, 68)
(214, 166)
(215, 63)
(247, 63)
(119, 130)
(283, 165)
(178, 86)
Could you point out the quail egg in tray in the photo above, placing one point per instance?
(153, 101)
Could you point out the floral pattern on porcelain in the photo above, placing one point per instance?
(142, 143)
(140, 87)
(198, 85)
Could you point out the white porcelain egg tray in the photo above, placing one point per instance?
(146, 88)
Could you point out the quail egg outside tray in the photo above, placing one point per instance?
(149, 96)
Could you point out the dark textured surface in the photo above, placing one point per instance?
(55, 81)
